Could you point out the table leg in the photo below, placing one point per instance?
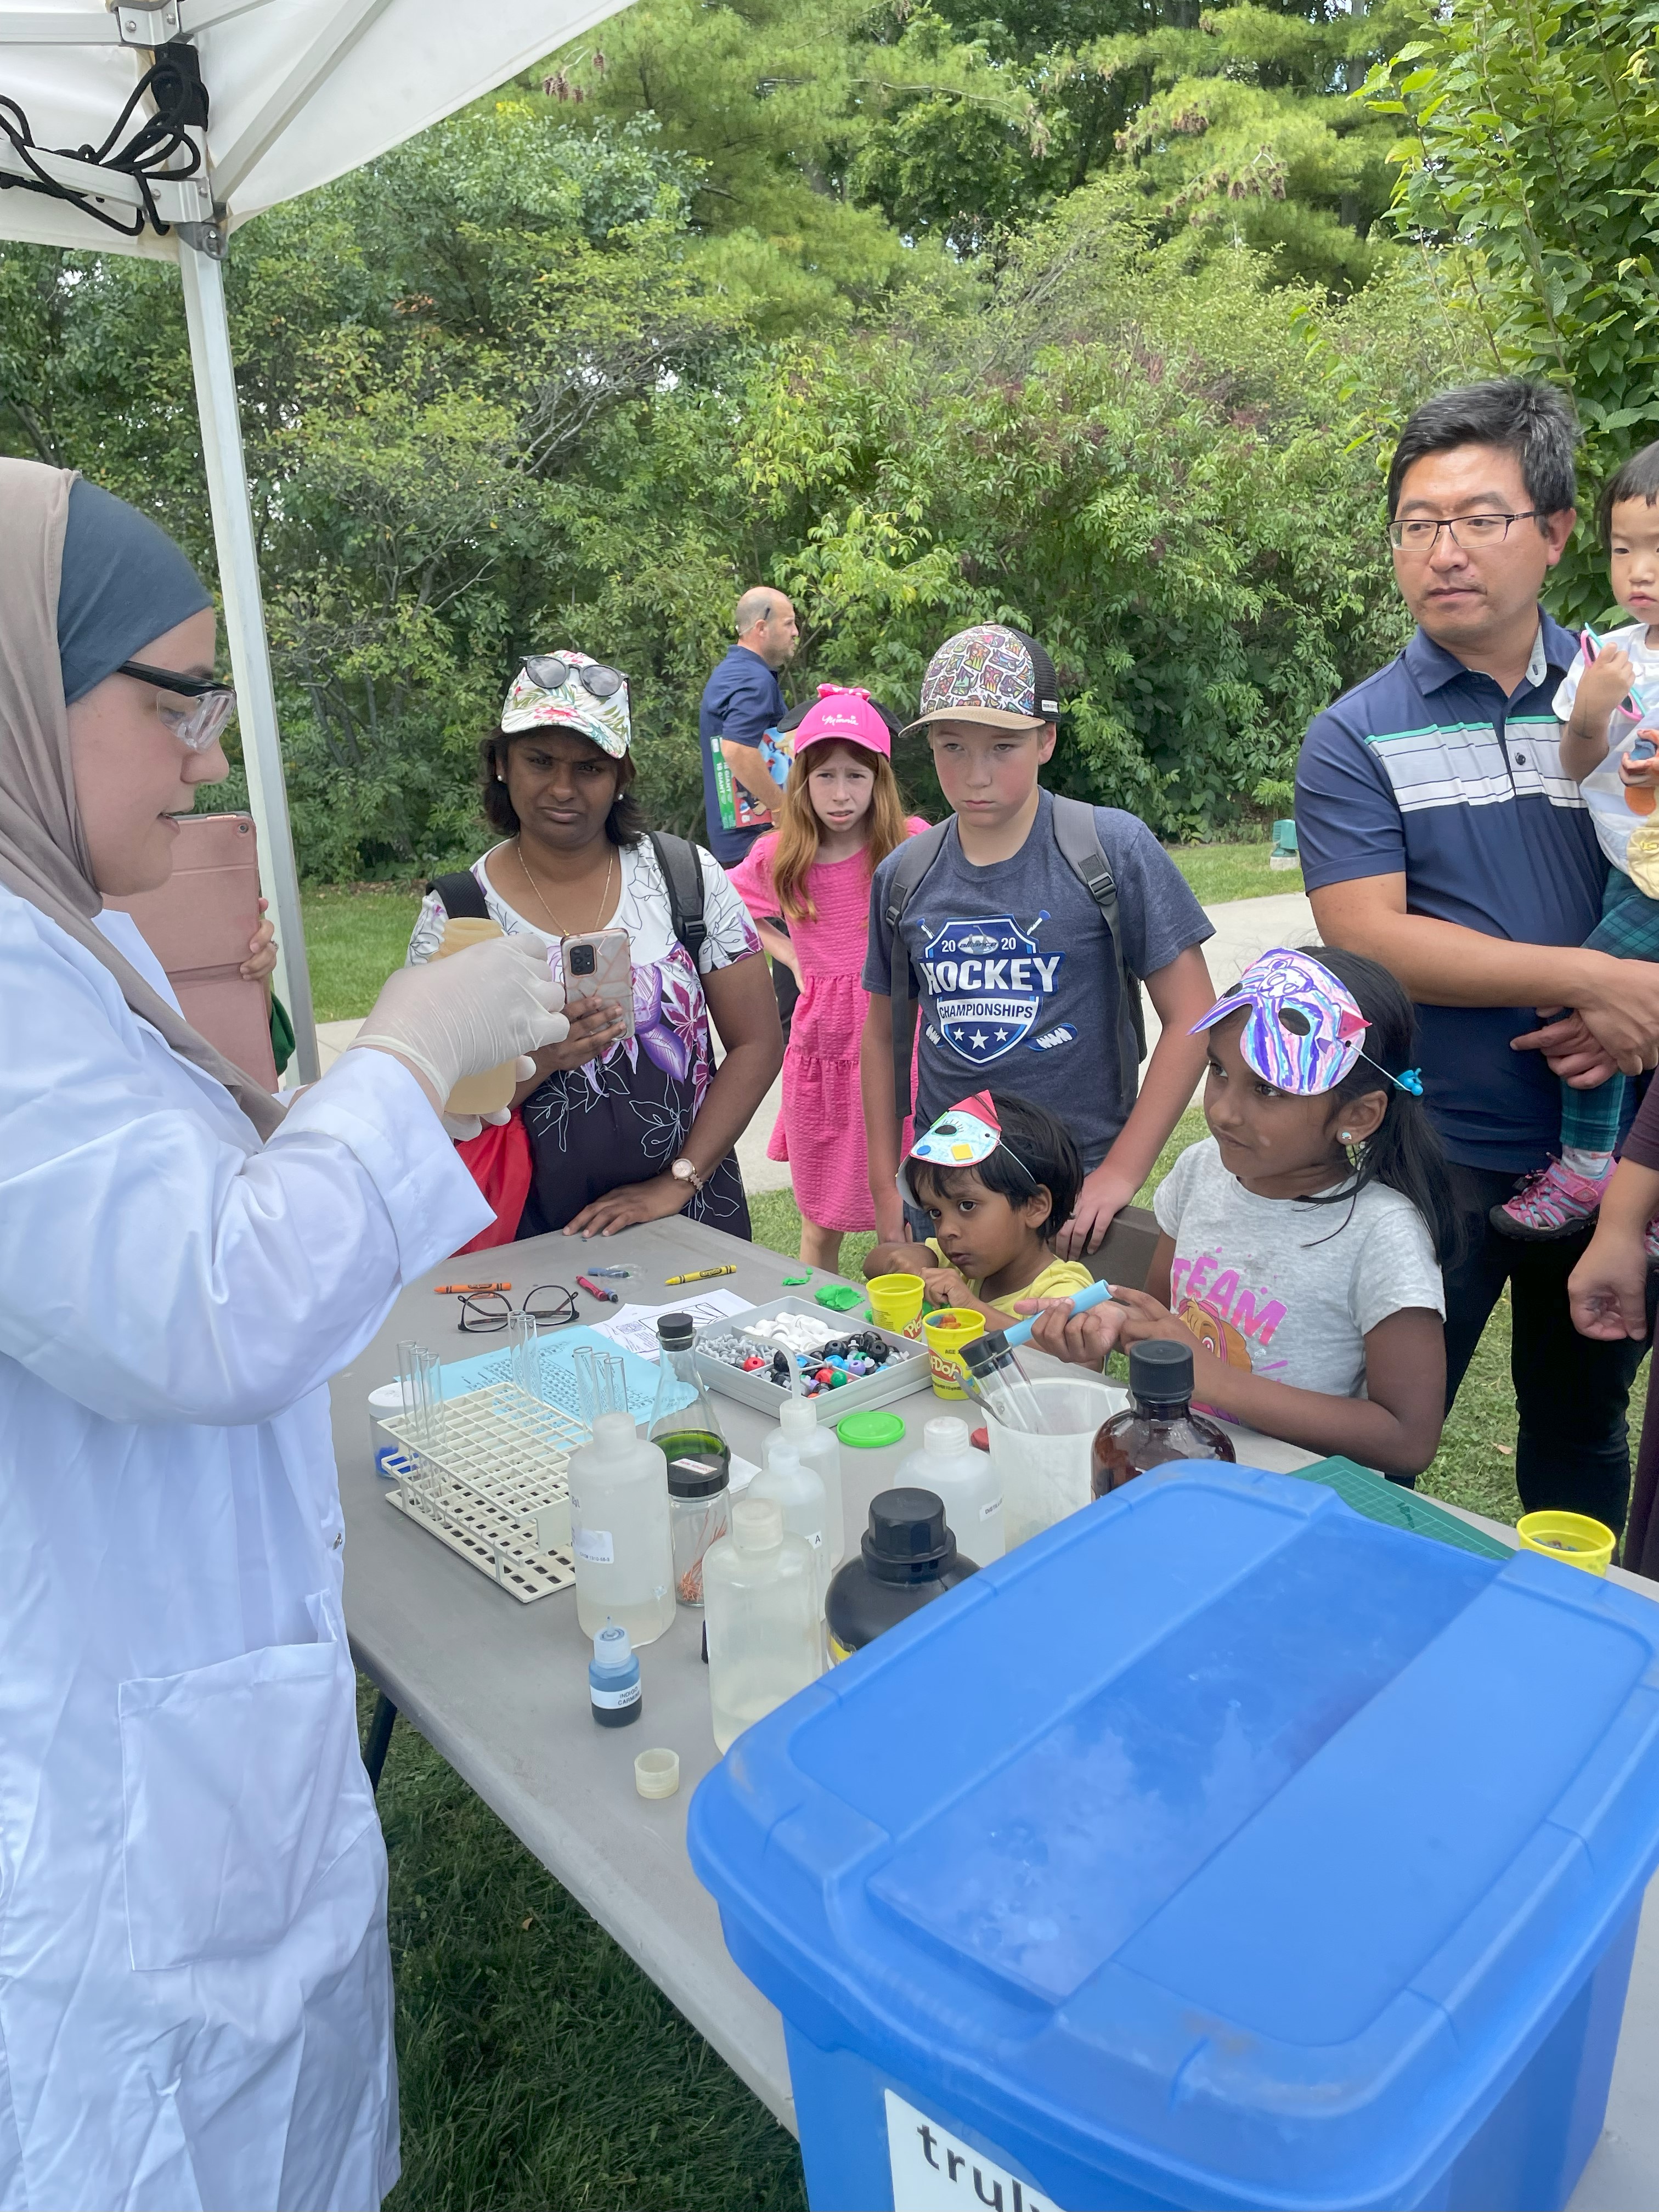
(380, 1737)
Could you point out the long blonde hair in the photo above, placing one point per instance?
(800, 829)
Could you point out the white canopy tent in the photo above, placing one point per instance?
(298, 92)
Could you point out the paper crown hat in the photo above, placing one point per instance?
(967, 1134)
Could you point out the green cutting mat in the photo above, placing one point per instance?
(1396, 1507)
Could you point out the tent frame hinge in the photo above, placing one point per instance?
(209, 238)
(145, 22)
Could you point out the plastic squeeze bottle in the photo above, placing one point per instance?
(1159, 1424)
(801, 1430)
(760, 1593)
(684, 1424)
(907, 1558)
(798, 1489)
(964, 1481)
(619, 1536)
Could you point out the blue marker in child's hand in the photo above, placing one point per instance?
(1095, 1295)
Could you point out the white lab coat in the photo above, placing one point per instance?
(195, 1989)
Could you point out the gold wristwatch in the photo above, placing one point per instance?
(683, 1170)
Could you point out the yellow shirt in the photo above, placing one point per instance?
(1060, 1279)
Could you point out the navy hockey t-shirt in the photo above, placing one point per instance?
(1017, 980)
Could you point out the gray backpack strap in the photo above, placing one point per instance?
(682, 872)
(1078, 840)
(914, 858)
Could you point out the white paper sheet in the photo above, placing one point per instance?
(635, 1327)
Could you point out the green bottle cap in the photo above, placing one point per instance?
(870, 1431)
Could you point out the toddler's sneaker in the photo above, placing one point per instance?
(1553, 1202)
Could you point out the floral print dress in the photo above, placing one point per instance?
(624, 1116)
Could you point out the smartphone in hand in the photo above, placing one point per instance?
(600, 966)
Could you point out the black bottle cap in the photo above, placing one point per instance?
(697, 1474)
(1160, 1372)
(675, 1331)
(906, 1540)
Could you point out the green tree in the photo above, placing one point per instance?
(1527, 139)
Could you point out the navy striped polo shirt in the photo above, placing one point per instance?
(1426, 769)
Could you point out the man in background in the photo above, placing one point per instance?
(741, 701)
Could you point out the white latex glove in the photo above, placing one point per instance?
(463, 1128)
(455, 1018)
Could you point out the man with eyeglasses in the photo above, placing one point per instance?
(1440, 835)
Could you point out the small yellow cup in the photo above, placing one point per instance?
(895, 1301)
(946, 1331)
(1573, 1538)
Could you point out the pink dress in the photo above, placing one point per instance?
(820, 1131)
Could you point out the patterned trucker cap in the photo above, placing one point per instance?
(568, 705)
(992, 674)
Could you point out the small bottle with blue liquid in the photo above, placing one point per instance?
(613, 1678)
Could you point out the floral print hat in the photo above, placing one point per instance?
(549, 691)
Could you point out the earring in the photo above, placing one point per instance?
(1345, 1136)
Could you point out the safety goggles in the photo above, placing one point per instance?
(548, 672)
(196, 726)
(484, 1312)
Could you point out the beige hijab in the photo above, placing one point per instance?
(43, 849)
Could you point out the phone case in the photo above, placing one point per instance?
(198, 925)
(613, 972)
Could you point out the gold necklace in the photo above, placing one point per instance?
(558, 929)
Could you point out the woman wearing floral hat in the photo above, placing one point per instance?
(622, 1129)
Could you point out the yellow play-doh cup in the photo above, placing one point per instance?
(1573, 1538)
(946, 1331)
(896, 1302)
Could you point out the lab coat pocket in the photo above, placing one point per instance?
(242, 1783)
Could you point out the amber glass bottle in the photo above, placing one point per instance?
(1159, 1424)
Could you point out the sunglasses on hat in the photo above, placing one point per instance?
(549, 672)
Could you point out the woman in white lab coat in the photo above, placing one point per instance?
(195, 1988)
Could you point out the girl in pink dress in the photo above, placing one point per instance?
(840, 817)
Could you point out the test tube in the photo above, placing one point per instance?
(1000, 1383)
(422, 1399)
(524, 1359)
(603, 1380)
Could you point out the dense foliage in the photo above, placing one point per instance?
(1531, 162)
(1086, 314)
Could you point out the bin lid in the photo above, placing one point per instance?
(1218, 1829)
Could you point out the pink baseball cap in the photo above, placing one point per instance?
(846, 713)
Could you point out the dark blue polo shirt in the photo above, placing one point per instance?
(1427, 770)
(742, 700)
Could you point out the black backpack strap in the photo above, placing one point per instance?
(682, 872)
(912, 861)
(462, 895)
(1078, 840)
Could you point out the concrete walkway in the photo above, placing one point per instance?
(1243, 929)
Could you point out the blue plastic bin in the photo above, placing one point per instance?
(1218, 1848)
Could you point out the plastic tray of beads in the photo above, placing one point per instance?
(722, 1346)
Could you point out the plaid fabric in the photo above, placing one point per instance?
(1629, 930)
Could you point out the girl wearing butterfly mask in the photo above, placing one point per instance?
(1302, 1239)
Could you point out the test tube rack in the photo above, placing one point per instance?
(487, 1477)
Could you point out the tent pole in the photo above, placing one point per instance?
(204, 280)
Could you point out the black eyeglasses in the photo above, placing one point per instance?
(1419, 534)
(549, 673)
(195, 727)
(483, 1313)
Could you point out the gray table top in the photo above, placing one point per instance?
(500, 1689)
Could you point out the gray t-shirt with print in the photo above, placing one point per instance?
(1017, 979)
(1291, 1290)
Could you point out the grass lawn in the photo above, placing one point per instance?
(355, 935)
(1217, 872)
